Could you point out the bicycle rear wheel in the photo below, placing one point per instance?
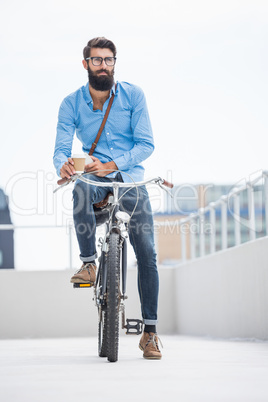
(113, 297)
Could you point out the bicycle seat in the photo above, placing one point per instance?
(102, 210)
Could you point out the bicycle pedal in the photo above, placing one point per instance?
(133, 329)
(82, 285)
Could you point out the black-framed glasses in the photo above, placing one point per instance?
(97, 61)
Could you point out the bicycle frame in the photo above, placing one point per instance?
(117, 224)
(109, 298)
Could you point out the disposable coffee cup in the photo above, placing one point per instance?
(88, 159)
(79, 162)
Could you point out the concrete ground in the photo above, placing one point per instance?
(192, 370)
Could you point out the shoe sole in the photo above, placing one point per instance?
(81, 281)
(149, 358)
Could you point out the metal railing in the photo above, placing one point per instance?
(201, 243)
(229, 206)
(68, 226)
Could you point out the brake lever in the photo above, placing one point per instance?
(71, 180)
(164, 188)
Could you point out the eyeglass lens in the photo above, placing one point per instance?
(97, 61)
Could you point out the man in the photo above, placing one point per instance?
(125, 142)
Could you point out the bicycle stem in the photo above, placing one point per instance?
(116, 193)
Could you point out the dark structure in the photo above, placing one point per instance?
(6, 236)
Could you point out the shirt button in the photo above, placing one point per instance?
(111, 148)
(108, 133)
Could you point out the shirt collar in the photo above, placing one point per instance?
(88, 96)
(113, 88)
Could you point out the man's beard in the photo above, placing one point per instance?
(101, 82)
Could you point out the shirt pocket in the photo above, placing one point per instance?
(122, 123)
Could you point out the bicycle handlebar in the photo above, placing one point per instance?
(62, 181)
(157, 180)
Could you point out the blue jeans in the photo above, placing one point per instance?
(141, 235)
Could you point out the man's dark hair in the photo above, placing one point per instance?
(100, 42)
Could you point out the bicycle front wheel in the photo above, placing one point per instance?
(102, 332)
(102, 327)
(113, 297)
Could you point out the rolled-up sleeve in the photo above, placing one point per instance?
(65, 134)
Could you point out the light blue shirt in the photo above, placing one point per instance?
(127, 137)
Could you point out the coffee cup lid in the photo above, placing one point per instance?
(79, 156)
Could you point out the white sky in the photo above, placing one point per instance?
(202, 65)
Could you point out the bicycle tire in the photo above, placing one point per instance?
(102, 317)
(102, 333)
(113, 297)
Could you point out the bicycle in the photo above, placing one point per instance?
(110, 286)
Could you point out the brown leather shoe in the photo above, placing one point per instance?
(86, 274)
(149, 345)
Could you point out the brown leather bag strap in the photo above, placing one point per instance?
(92, 149)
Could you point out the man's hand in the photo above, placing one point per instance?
(103, 168)
(67, 169)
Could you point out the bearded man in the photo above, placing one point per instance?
(125, 142)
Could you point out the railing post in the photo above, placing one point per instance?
(201, 232)
(266, 200)
(212, 219)
(251, 212)
(183, 241)
(192, 236)
(70, 246)
(224, 228)
(237, 219)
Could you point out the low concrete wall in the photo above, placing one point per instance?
(226, 294)
(36, 304)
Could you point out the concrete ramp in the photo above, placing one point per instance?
(225, 294)
(191, 370)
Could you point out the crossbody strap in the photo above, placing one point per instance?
(92, 149)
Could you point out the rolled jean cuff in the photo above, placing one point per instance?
(89, 259)
(149, 322)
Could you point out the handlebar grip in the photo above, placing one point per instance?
(167, 184)
(62, 181)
